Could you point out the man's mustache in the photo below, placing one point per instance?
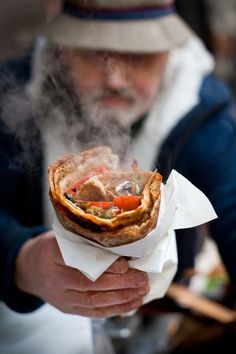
(123, 94)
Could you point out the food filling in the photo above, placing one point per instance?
(106, 195)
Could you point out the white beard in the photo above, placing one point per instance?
(97, 114)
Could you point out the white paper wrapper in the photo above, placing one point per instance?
(182, 206)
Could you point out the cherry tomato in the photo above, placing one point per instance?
(126, 202)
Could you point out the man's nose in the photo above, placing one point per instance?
(116, 73)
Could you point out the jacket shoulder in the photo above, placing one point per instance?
(214, 91)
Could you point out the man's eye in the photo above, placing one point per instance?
(91, 54)
(135, 58)
(98, 56)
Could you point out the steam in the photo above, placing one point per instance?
(49, 106)
(61, 112)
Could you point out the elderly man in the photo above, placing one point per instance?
(130, 74)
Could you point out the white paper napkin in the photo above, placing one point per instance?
(182, 206)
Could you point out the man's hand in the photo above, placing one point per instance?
(40, 271)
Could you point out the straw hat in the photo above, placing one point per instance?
(140, 26)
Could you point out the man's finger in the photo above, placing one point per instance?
(108, 311)
(119, 266)
(97, 299)
(107, 281)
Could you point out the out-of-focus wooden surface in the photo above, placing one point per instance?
(187, 299)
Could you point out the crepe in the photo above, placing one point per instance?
(101, 180)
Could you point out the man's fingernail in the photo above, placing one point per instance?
(142, 291)
(141, 279)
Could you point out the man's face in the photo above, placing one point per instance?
(113, 86)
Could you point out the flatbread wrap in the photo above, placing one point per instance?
(95, 198)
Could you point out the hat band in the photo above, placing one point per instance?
(138, 13)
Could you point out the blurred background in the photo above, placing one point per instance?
(19, 22)
(213, 20)
(173, 326)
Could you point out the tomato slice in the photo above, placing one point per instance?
(126, 202)
(102, 204)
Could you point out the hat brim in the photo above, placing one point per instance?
(137, 36)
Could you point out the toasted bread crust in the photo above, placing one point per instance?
(126, 227)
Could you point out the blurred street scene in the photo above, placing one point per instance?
(178, 323)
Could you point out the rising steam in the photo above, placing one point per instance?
(50, 107)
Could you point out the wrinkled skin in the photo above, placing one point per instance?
(117, 291)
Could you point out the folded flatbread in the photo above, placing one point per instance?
(93, 197)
